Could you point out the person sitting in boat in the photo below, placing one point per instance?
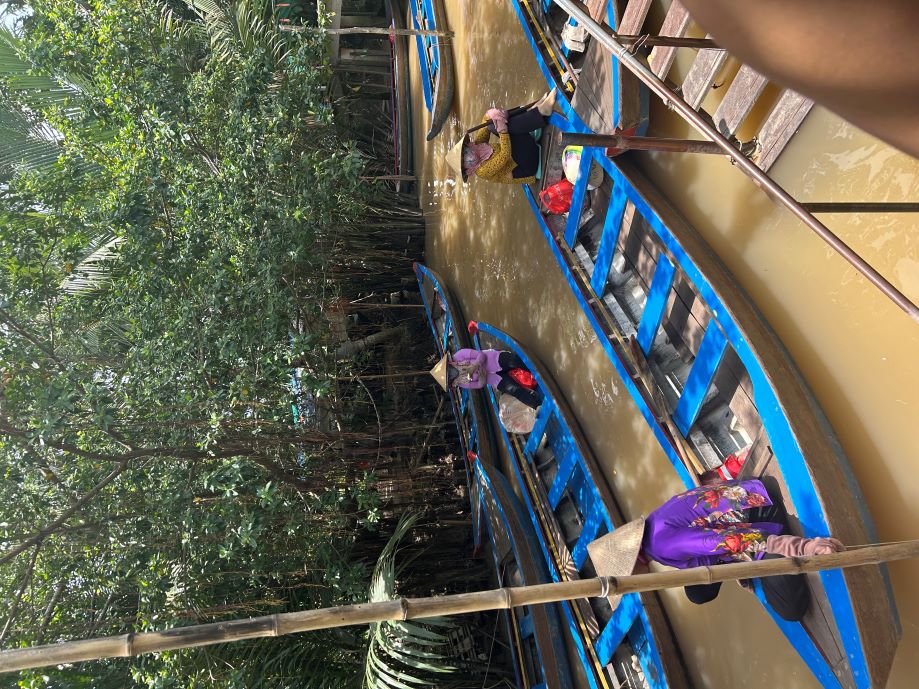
(707, 526)
(471, 368)
(514, 159)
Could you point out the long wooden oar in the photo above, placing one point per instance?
(510, 113)
(127, 645)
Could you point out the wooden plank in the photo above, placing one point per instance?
(758, 458)
(675, 24)
(702, 75)
(686, 320)
(781, 124)
(748, 84)
(597, 9)
(633, 18)
(629, 106)
(593, 98)
(655, 304)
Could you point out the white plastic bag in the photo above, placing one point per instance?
(515, 416)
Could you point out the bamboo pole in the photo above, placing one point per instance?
(863, 207)
(641, 143)
(578, 11)
(128, 645)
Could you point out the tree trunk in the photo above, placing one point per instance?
(352, 347)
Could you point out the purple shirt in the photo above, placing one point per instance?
(487, 359)
(706, 526)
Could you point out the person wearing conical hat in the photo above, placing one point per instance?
(474, 369)
(514, 158)
(708, 526)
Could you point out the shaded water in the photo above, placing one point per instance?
(856, 350)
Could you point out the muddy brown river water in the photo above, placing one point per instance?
(858, 352)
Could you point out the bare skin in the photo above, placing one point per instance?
(858, 58)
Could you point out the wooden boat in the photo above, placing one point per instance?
(469, 406)
(402, 114)
(590, 83)
(604, 96)
(435, 55)
(536, 638)
(517, 563)
(570, 504)
(713, 381)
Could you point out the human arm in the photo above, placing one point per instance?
(499, 117)
(797, 546)
(469, 356)
(500, 161)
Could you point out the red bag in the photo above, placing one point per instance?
(557, 198)
(523, 378)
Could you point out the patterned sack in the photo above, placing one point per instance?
(516, 416)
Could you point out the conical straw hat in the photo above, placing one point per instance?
(454, 158)
(614, 554)
(440, 372)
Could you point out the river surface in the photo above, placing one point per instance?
(858, 352)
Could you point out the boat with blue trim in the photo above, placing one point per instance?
(536, 637)
(435, 56)
(589, 81)
(570, 504)
(537, 634)
(718, 389)
(604, 97)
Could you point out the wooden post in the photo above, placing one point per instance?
(863, 207)
(127, 645)
(620, 144)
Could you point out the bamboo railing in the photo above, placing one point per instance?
(128, 645)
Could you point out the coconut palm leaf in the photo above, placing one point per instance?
(239, 27)
(27, 140)
(404, 655)
(94, 270)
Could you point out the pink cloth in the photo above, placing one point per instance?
(474, 155)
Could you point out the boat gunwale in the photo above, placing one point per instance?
(486, 448)
(521, 541)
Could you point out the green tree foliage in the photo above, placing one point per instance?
(175, 194)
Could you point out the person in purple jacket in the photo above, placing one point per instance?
(708, 525)
(474, 369)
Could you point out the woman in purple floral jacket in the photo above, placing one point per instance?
(708, 526)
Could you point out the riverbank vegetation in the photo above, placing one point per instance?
(187, 238)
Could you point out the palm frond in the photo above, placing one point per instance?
(404, 655)
(27, 139)
(240, 28)
(95, 270)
